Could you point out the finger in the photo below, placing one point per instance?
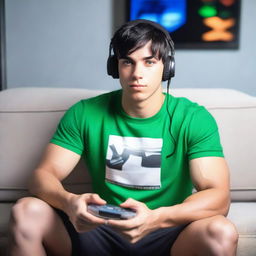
(90, 218)
(122, 224)
(131, 203)
(96, 199)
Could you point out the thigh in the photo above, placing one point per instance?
(206, 237)
(57, 240)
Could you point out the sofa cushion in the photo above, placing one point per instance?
(28, 99)
(246, 223)
(243, 216)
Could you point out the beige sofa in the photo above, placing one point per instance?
(28, 117)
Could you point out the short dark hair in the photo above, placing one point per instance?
(133, 36)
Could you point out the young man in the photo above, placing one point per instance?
(144, 150)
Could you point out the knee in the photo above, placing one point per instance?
(26, 208)
(223, 232)
(25, 214)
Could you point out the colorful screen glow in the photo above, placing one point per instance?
(210, 24)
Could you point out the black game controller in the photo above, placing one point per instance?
(109, 211)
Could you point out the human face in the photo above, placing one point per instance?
(140, 76)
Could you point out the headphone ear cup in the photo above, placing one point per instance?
(112, 66)
(169, 68)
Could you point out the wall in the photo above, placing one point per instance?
(58, 43)
(64, 43)
(228, 69)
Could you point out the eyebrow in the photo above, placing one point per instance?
(145, 58)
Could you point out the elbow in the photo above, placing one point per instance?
(226, 209)
(226, 205)
(221, 203)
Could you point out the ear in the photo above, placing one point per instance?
(169, 68)
(112, 66)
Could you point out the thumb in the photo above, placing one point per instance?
(95, 199)
(130, 203)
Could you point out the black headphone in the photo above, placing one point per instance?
(169, 65)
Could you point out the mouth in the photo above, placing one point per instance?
(137, 85)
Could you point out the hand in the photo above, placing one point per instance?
(136, 228)
(76, 209)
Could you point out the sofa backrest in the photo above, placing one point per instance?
(29, 116)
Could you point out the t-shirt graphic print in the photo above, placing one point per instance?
(134, 162)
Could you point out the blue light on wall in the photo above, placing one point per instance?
(171, 14)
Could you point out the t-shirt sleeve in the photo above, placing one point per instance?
(203, 136)
(69, 131)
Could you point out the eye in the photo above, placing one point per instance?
(150, 62)
(126, 62)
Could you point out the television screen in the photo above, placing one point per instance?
(209, 24)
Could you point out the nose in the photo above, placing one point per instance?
(137, 71)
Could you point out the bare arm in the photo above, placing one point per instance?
(57, 164)
(210, 176)
(45, 183)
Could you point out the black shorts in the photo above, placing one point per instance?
(104, 241)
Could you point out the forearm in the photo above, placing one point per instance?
(203, 204)
(50, 189)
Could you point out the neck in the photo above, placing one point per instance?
(145, 108)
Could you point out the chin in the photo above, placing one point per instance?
(138, 97)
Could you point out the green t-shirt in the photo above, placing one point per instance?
(128, 157)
